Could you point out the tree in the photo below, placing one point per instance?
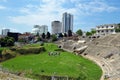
(39, 39)
(7, 41)
(54, 37)
(48, 35)
(93, 31)
(2, 42)
(10, 42)
(117, 29)
(79, 32)
(69, 33)
(43, 35)
(119, 25)
(60, 35)
(88, 33)
(65, 35)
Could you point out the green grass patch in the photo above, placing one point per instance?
(65, 64)
(31, 45)
(1, 49)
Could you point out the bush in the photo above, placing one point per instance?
(7, 41)
(34, 50)
(42, 44)
(1, 51)
(60, 50)
(88, 33)
(7, 54)
(79, 32)
(54, 38)
(13, 48)
(81, 77)
(14, 51)
(117, 30)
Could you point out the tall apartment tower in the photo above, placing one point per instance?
(67, 22)
(56, 27)
(5, 32)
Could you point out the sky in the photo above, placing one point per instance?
(22, 15)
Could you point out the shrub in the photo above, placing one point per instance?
(79, 32)
(35, 50)
(13, 48)
(7, 54)
(1, 51)
(42, 44)
(14, 51)
(7, 41)
(54, 38)
(81, 77)
(60, 50)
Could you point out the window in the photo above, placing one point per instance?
(106, 30)
(111, 30)
(106, 26)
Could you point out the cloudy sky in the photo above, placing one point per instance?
(21, 15)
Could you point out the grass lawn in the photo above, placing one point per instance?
(65, 64)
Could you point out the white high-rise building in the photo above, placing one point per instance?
(67, 22)
(56, 27)
(40, 29)
(5, 32)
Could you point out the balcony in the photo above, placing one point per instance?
(105, 28)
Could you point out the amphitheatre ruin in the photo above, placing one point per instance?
(105, 51)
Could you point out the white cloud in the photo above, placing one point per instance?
(2, 7)
(94, 7)
(13, 30)
(43, 14)
(4, 0)
(52, 10)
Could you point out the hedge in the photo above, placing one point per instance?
(31, 50)
(14, 51)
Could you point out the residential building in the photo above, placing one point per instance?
(26, 36)
(5, 32)
(40, 29)
(56, 27)
(106, 29)
(67, 22)
(14, 35)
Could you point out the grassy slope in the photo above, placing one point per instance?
(66, 64)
